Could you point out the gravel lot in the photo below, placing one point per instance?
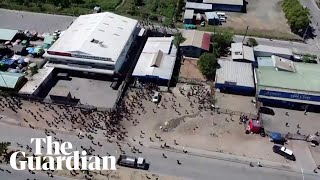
(261, 15)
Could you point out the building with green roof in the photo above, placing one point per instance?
(288, 82)
(7, 34)
(11, 81)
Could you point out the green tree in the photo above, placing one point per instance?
(65, 3)
(178, 39)
(221, 42)
(138, 2)
(252, 42)
(208, 64)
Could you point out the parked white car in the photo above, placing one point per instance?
(156, 97)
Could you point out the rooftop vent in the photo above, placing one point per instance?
(94, 41)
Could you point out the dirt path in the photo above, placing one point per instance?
(122, 2)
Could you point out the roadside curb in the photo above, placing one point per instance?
(235, 159)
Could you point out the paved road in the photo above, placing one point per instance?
(315, 19)
(192, 167)
(49, 23)
(296, 47)
(39, 22)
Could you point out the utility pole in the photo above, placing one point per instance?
(244, 37)
(305, 32)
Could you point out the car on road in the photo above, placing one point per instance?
(156, 97)
(283, 151)
(133, 162)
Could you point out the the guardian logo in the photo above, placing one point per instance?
(59, 156)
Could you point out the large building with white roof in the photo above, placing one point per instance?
(97, 43)
(235, 77)
(157, 60)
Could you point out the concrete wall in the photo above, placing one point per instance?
(268, 54)
(188, 21)
(232, 8)
(125, 50)
(191, 51)
(234, 89)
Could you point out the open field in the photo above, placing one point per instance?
(73, 9)
(153, 10)
(264, 19)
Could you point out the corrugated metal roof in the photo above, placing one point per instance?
(188, 14)
(228, 2)
(7, 34)
(235, 72)
(201, 6)
(211, 15)
(197, 39)
(150, 55)
(10, 80)
(273, 49)
(206, 39)
(240, 51)
(306, 78)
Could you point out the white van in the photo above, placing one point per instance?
(221, 14)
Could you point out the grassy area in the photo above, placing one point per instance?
(73, 9)
(256, 33)
(154, 10)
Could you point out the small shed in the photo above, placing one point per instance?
(188, 16)
(11, 80)
(7, 34)
(212, 18)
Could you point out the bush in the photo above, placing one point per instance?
(208, 64)
(252, 42)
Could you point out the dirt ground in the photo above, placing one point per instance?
(235, 103)
(179, 118)
(189, 70)
(122, 173)
(264, 15)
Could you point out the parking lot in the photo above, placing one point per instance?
(39, 22)
(261, 15)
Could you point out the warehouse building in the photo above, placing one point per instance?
(268, 51)
(156, 62)
(227, 5)
(188, 16)
(287, 83)
(235, 77)
(196, 43)
(198, 7)
(242, 53)
(96, 43)
(212, 18)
